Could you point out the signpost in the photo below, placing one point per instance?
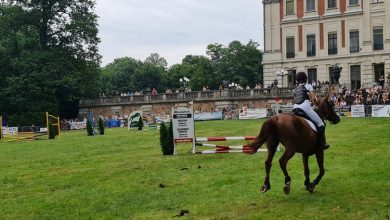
(183, 126)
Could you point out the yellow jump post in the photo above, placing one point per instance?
(57, 125)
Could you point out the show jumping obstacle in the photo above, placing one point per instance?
(224, 148)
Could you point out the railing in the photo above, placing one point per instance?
(193, 96)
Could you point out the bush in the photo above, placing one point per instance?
(101, 127)
(170, 137)
(52, 131)
(89, 128)
(140, 123)
(165, 147)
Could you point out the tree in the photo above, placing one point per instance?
(156, 60)
(118, 76)
(149, 76)
(237, 63)
(49, 58)
(200, 72)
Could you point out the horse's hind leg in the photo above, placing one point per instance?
(320, 162)
(268, 165)
(283, 165)
(309, 186)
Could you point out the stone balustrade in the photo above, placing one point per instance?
(213, 95)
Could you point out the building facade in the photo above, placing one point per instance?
(314, 35)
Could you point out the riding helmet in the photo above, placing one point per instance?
(301, 77)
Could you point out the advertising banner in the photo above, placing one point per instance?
(253, 113)
(357, 111)
(381, 111)
(206, 116)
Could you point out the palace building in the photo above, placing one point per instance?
(314, 35)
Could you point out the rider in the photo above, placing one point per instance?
(303, 95)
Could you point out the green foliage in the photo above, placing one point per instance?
(118, 76)
(156, 60)
(140, 123)
(170, 144)
(89, 128)
(47, 49)
(165, 140)
(101, 126)
(237, 62)
(52, 131)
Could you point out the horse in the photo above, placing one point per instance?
(297, 136)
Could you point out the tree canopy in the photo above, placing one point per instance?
(237, 62)
(49, 58)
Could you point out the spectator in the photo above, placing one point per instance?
(382, 81)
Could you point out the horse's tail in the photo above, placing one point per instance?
(268, 130)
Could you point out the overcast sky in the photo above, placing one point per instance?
(174, 28)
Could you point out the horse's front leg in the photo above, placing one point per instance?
(320, 162)
(283, 164)
(309, 186)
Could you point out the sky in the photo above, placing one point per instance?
(174, 28)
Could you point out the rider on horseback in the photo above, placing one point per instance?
(302, 97)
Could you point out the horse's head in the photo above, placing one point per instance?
(326, 110)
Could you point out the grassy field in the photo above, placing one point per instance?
(118, 176)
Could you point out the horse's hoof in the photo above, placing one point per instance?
(264, 189)
(310, 187)
(286, 189)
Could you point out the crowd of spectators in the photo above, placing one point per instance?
(363, 96)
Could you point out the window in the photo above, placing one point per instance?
(353, 2)
(290, 44)
(354, 41)
(332, 43)
(312, 75)
(311, 45)
(376, 1)
(332, 3)
(355, 77)
(290, 7)
(291, 76)
(379, 70)
(378, 38)
(310, 5)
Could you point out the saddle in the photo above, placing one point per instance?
(300, 113)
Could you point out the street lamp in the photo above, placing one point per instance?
(184, 81)
(282, 73)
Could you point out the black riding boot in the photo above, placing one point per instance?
(321, 142)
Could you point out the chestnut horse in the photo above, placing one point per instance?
(296, 135)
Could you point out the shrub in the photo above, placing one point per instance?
(164, 133)
(140, 123)
(170, 145)
(101, 127)
(89, 128)
(52, 131)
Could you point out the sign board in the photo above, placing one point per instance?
(357, 111)
(10, 130)
(286, 108)
(183, 126)
(381, 111)
(253, 113)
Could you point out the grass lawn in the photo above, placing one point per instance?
(118, 176)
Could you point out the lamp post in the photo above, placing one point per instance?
(184, 82)
(282, 73)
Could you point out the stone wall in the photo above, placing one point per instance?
(165, 108)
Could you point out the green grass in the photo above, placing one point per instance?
(117, 176)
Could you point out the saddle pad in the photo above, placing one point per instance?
(311, 125)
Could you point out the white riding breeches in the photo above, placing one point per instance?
(306, 107)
